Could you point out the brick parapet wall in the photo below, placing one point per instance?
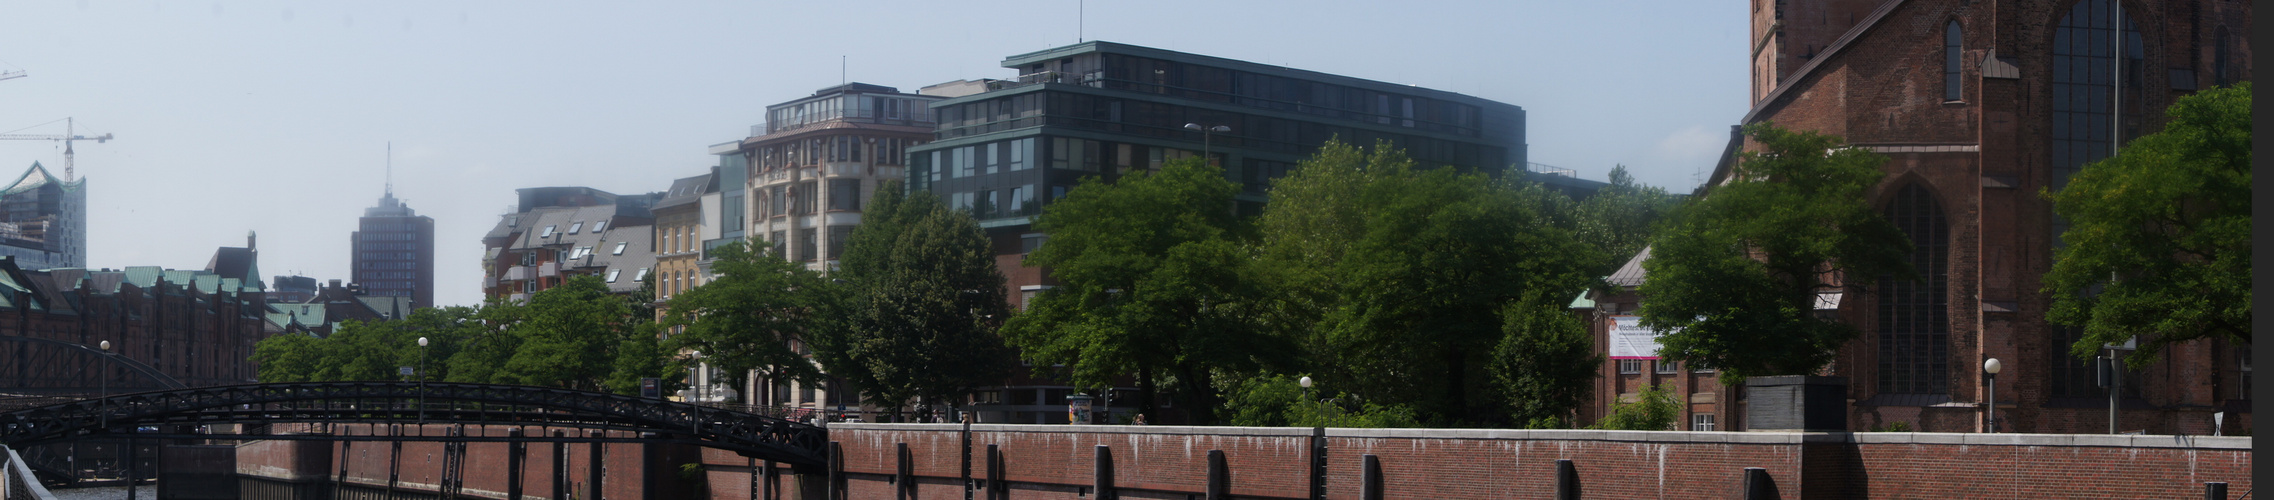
(1046, 461)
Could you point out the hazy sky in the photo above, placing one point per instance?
(274, 117)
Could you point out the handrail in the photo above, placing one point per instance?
(17, 481)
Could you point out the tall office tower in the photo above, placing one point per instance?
(43, 221)
(394, 252)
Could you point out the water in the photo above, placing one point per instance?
(145, 492)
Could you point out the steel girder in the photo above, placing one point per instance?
(756, 436)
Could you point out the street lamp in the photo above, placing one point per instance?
(1204, 132)
(104, 383)
(421, 380)
(1990, 368)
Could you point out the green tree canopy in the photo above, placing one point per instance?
(1396, 276)
(1619, 218)
(1545, 362)
(1736, 275)
(2158, 245)
(568, 336)
(746, 319)
(1150, 271)
(921, 302)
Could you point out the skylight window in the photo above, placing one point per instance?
(620, 248)
(641, 275)
(599, 225)
(548, 231)
(578, 226)
(612, 274)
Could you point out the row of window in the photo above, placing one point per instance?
(387, 246)
(386, 255)
(840, 148)
(1167, 121)
(1661, 367)
(371, 236)
(388, 265)
(378, 275)
(904, 110)
(574, 227)
(1207, 83)
(797, 198)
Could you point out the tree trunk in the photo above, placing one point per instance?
(1199, 396)
(1145, 394)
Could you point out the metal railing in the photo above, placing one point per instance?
(16, 480)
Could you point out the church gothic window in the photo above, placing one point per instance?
(1914, 315)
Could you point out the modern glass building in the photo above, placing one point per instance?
(1106, 109)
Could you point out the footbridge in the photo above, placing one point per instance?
(760, 437)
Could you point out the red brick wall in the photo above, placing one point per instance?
(420, 469)
(1170, 462)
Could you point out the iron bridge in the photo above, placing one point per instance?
(757, 436)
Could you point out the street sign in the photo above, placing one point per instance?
(651, 387)
(405, 371)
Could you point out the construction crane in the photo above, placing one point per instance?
(68, 136)
(4, 75)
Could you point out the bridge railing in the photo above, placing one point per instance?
(16, 480)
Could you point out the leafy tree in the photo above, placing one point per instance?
(1654, 409)
(482, 354)
(922, 301)
(1618, 219)
(568, 336)
(1739, 271)
(291, 357)
(745, 320)
(2158, 245)
(1150, 285)
(1545, 363)
(1398, 275)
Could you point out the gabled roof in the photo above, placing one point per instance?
(1631, 274)
(638, 254)
(686, 190)
(1777, 95)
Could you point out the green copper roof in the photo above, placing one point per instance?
(32, 179)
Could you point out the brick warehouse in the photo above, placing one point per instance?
(197, 326)
(1980, 105)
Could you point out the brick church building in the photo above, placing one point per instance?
(1979, 105)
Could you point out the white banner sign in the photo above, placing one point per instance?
(1629, 340)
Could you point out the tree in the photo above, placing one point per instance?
(1545, 364)
(922, 300)
(1151, 285)
(2158, 245)
(291, 357)
(1735, 276)
(568, 336)
(1618, 219)
(1398, 274)
(744, 320)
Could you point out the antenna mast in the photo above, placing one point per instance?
(390, 169)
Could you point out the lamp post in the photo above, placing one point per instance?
(1306, 383)
(104, 383)
(1990, 369)
(1204, 133)
(421, 380)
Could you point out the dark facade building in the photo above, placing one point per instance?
(196, 326)
(1106, 109)
(43, 220)
(394, 252)
(1979, 106)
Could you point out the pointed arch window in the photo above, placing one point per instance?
(1914, 315)
(1953, 45)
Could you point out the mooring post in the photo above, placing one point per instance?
(1219, 477)
(996, 490)
(1566, 480)
(1758, 486)
(515, 448)
(1318, 464)
(341, 482)
(1370, 477)
(1104, 473)
(836, 471)
(394, 459)
(594, 473)
(560, 465)
(903, 482)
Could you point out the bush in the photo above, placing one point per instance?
(1654, 409)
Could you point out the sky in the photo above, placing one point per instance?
(276, 117)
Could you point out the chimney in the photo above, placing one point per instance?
(251, 242)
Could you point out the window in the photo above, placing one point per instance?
(1030, 241)
(1700, 368)
(837, 237)
(1953, 42)
(1668, 367)
(599, 225)
(1914, 316)
(580, 253)
(1701, 422)
(577, 226)
(612, 274)
(1019, 200)
(1630, 366)
(548, 232)
(641, 275)
(620, 248)
(844, 194)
